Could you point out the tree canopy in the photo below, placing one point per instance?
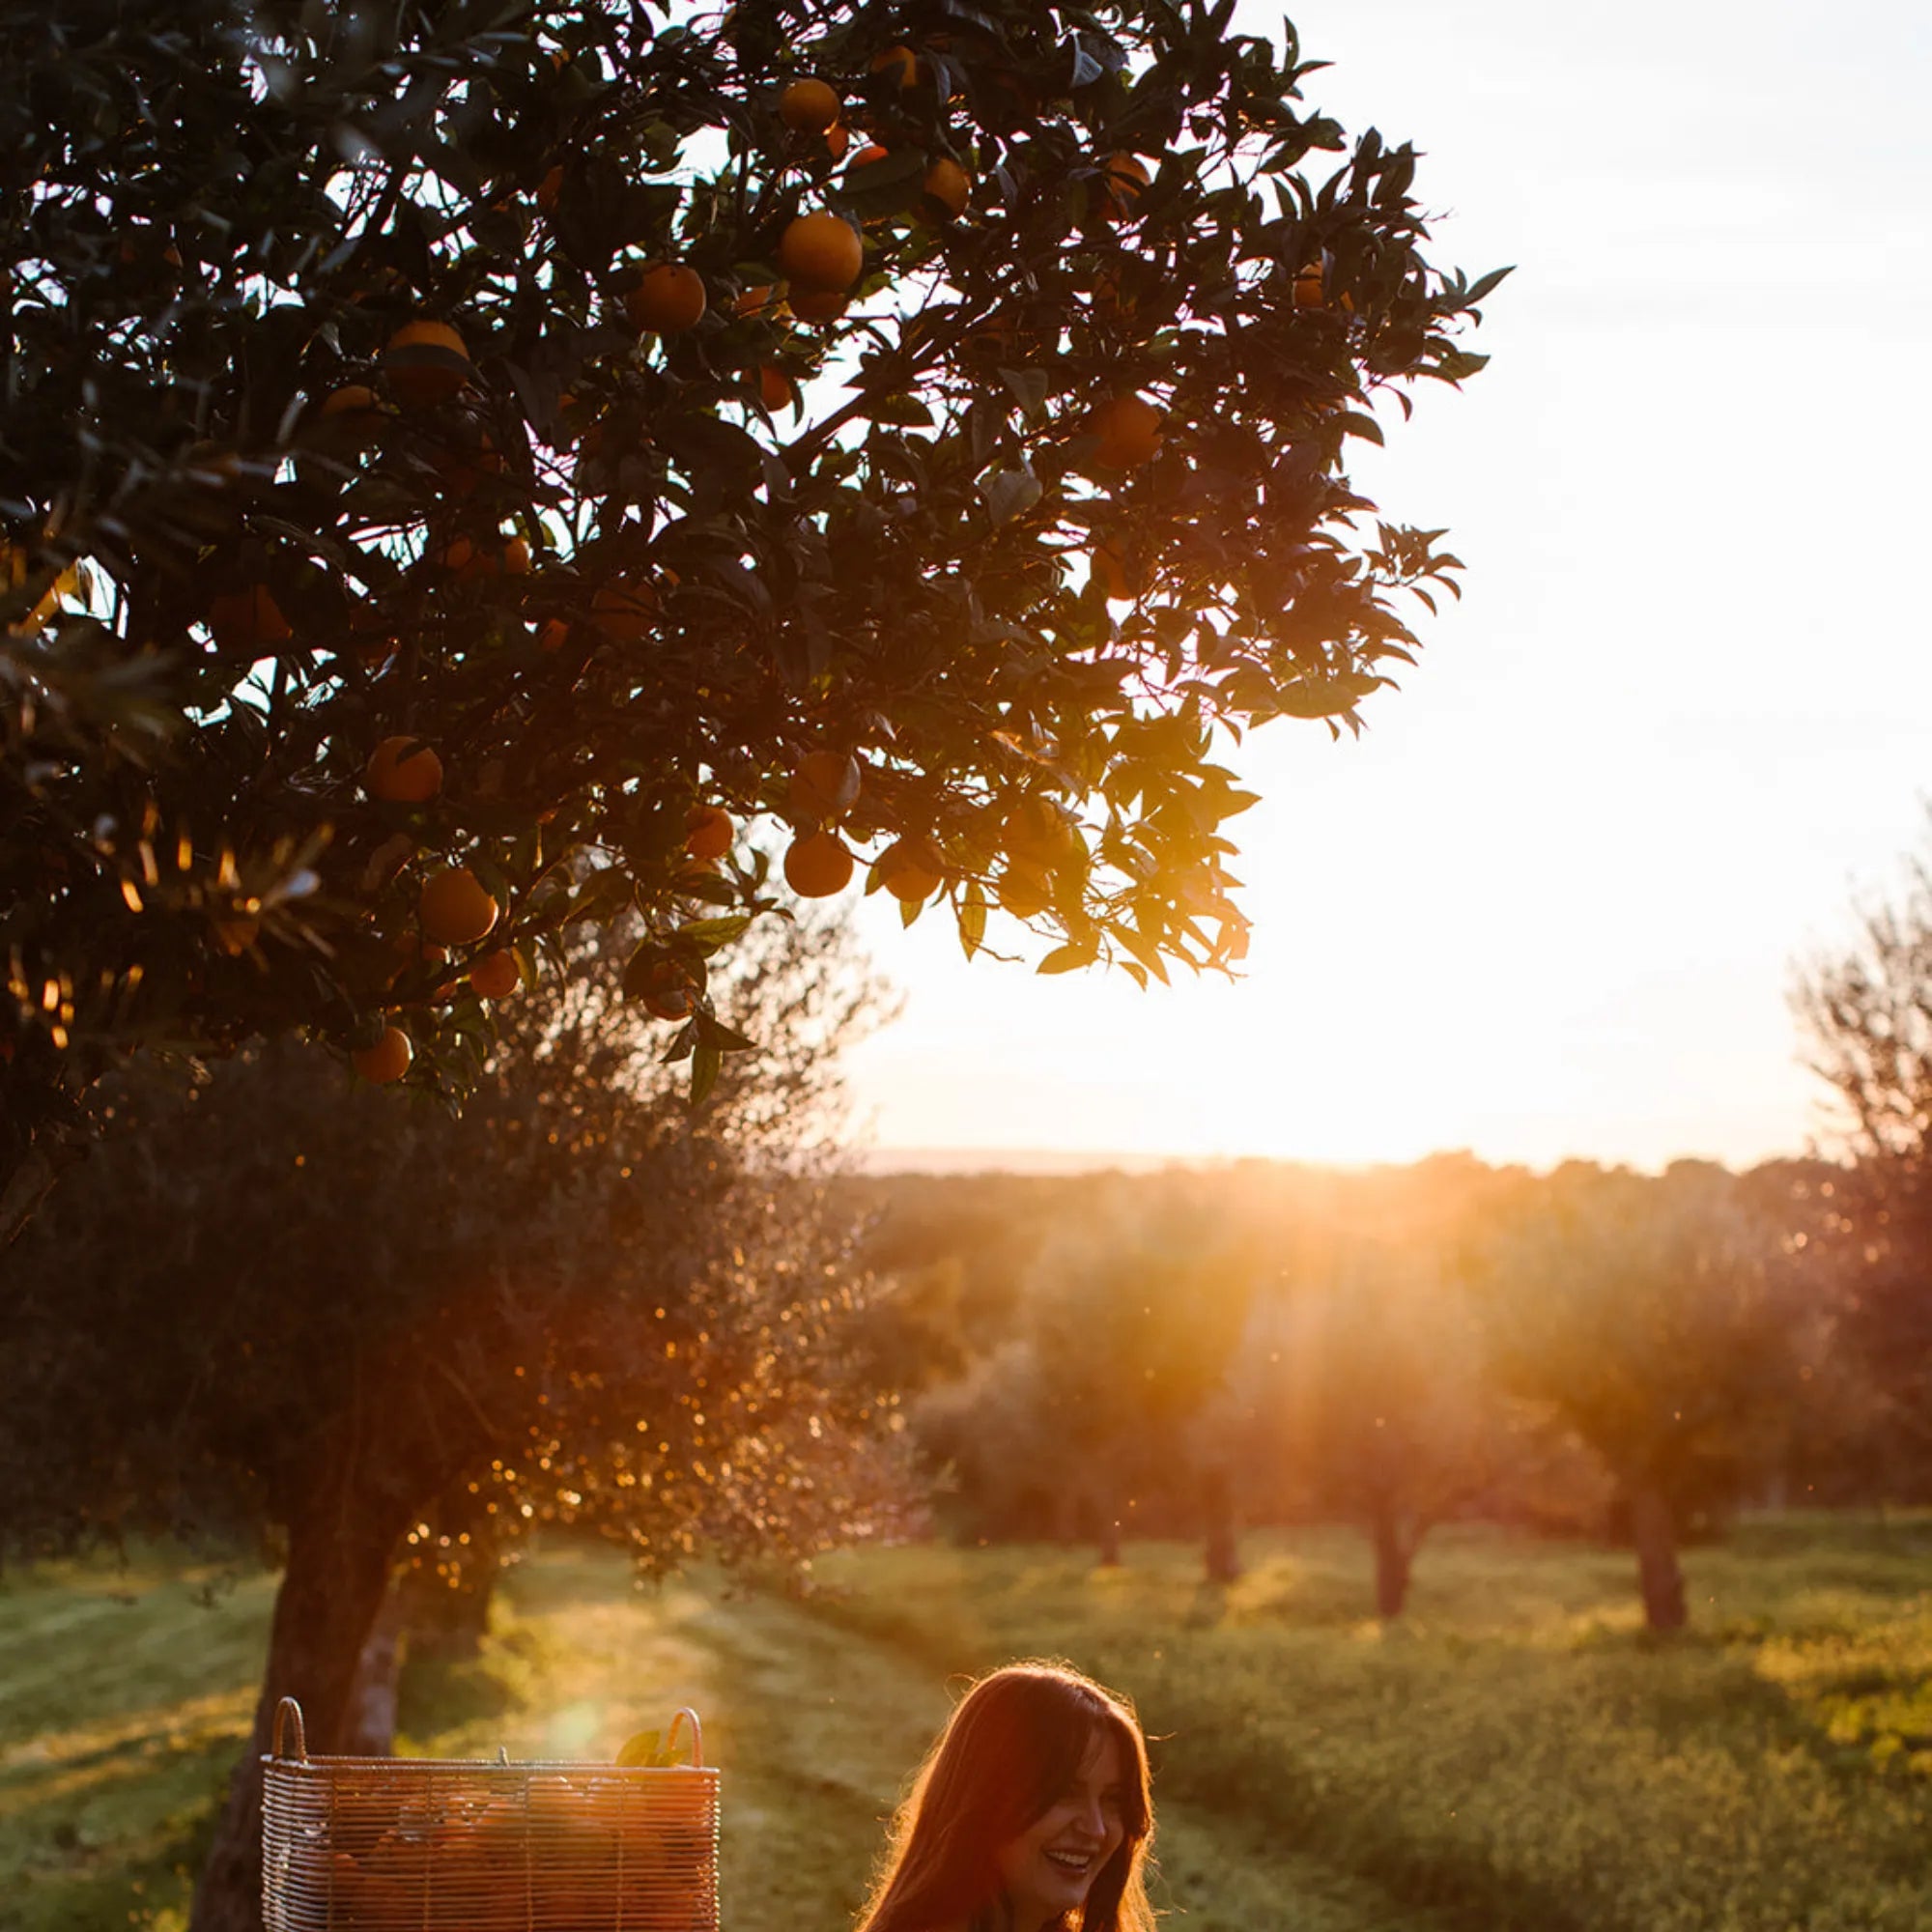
(475, 468)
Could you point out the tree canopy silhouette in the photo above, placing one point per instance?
(477, 468)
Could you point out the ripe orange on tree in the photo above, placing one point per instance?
(775, 389)
(496, 976)
(817, 866)
(625, 610)
(426, 363)
(246, 619)
(668, 992)
(387, 1059)
(837, 137)
(353, 407)
(821, 251)
(1128, 430)
(870, 153)
(948, 185)
(819, 304)
(1035, 832)
(825, 785)
(403, 770)
(454, 908)
(910, 871)
(901, 63)
(707, 832)
(669, 298)
(554, 635)
(1024, 889)
(809, 106)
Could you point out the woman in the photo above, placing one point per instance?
(1031, 1813)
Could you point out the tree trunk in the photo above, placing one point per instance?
(444, 1623)
(1654, 1532)
(1395, 1551)
(1110, 1509)
(1222, 1557)
(369, 1730)
(1655, 1535)
(332, 1592)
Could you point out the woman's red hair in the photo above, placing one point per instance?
(1011, 1750)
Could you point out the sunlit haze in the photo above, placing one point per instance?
(1550, 903)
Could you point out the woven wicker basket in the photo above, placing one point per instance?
(362, 1844)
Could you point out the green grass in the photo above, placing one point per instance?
(1516, 1754)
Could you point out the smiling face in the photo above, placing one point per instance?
(1050, 1866)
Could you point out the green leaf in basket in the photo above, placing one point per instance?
(642, 1749)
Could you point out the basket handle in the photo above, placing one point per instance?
(688, 1717)
(289, 1712)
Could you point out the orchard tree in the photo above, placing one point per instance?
(1362, 1383)
(1657, 1318)
(1866, 1015)
(477, 470)
(392, 1339)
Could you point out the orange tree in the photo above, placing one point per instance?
(468, 467)
(384, 1336)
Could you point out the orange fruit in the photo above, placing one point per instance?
(496, 976)
(901, 63)
(625, 610)
(825, 785)
(821, 251)
(1024, 889)
(1117, 580)
(387, 1059)
(668, 298)
(1128, 432)
(403, 771)
(870, 153)
(246, 619)
(837, 137)
(707, 832)
(817, 866)
(356, 403)
(1125, 180)
(454, 908)
(426, 363)
(554, 635)
(910, 871)
(667, 993)
(1037, 834)
(819, 304)
(470, 559)
(1309, 286)
(808, 107)
(948, 185)
(775, 388)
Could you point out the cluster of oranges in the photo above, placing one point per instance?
(821, 256)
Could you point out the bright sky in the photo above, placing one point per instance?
(1551, 902)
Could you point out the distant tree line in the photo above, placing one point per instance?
(1592, 1351)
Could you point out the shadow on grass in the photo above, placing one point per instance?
(67, 1870)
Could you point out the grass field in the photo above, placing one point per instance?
(1516, 1754)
